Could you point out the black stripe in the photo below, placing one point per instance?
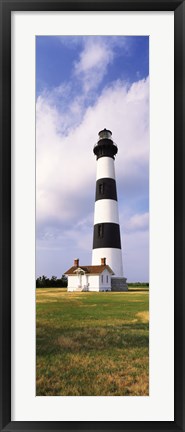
(106, 235)
(106, 189)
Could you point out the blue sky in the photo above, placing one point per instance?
(84, 84)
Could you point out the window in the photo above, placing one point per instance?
(100, 230)
(107, 278)
(101, 188)
(102, 278)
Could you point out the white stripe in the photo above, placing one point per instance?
(105, 168)
(113, 259)
(106, 210)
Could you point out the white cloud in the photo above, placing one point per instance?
(94, 56)
(65, 164)
(94, 60)
(135, 249)
(138, 222)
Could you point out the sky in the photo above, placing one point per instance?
(83, 85)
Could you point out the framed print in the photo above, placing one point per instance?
(92, 99)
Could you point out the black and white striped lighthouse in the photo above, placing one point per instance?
(106, 239)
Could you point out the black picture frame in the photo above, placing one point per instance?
(6, 7)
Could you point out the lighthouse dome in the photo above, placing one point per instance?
(105, 133)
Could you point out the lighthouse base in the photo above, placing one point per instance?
(119, 284)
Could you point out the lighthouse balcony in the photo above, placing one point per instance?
(105, 142)
(105, 147)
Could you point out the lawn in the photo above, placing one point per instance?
(92, 344)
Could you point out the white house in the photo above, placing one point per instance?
(89, 278)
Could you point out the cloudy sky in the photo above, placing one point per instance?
(83, 85)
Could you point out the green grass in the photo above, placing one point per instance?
(92, 344)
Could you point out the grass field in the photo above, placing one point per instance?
(92, 344)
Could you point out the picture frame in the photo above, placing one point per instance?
(178, 6)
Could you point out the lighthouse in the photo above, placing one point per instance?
(106, 237)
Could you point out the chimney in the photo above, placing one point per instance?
(103, 261)
(76, 262)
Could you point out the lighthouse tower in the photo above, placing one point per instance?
(106, 239)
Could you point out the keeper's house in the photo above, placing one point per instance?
(89, 278)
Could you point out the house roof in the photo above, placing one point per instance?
(93, 269)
